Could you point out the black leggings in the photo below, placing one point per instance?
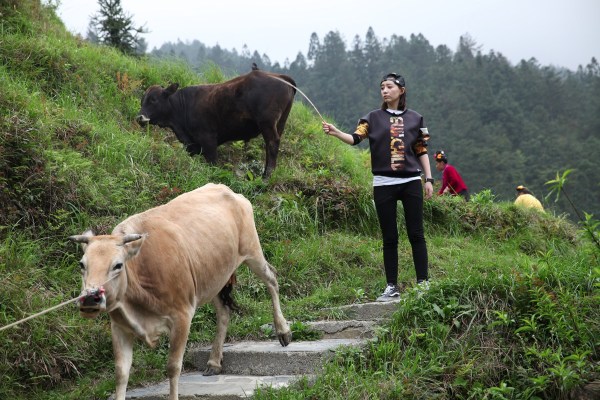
(386, 200)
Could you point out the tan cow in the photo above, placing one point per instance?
(156, 267)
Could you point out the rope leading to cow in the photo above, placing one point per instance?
(302, 93)
(64, 303)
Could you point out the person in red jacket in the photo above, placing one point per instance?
(452, 182)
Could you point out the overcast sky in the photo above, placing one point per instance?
(555, 32)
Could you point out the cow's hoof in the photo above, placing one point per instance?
(285, 338)
(210, 371)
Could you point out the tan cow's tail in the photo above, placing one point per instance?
(225, 294)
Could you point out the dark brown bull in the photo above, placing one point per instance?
(206, 116)
(156, 267)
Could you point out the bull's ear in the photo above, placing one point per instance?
(172, 88)
(84, 238)
(133, 243)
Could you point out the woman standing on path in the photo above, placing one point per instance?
(398, 142)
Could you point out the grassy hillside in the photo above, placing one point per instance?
(513, 311)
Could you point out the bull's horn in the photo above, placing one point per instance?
(172, 88)
(132, 237)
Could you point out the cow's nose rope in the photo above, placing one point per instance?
(51, 308)
(302, 93)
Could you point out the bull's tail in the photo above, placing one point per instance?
(225, 294)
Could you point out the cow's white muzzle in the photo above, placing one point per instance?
(142, 120)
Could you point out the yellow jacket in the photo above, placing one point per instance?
(527, 200)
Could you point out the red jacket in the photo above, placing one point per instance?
(452, 179)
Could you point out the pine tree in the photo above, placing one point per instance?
(113, 27)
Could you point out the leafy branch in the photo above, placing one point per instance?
(589, 223)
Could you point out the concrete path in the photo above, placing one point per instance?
(248, 365)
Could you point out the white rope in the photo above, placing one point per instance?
(40, 313)
(302, 93)
(48, 310)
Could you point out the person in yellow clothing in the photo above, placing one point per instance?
(526, 199)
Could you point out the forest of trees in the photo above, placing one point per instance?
(500, 124)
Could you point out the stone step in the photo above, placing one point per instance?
(349, 321)
(217, 387)
(352, 329)
(270, 358)
(248, 365)
(373, 311)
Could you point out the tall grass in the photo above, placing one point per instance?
(524, 332)
(513, 308)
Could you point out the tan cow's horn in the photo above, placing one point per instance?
(132, 237)
(79, 238)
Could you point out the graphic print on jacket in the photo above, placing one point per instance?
(397, 143)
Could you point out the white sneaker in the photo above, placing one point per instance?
(390, 293)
